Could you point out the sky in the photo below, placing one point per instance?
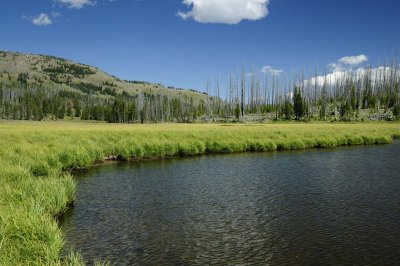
(184, 43)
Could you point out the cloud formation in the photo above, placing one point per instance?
(225, 11)
(40, 20)
(272, 71)
(347, 62)
(345, 68)
(375, 74)
(77, 4)
(353, 60)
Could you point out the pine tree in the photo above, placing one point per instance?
(77, 107)
(298, 103)
(287, 109)
(86, 113)
(61, 111)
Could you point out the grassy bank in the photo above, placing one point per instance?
(34, 157)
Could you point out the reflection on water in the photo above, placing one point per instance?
(317, 207)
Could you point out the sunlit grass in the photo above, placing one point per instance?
(35, 157)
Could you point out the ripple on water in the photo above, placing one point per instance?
(314, 207)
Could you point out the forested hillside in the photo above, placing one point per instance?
(37, 87)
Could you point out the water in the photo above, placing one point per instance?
(315, 207)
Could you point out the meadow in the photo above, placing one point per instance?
(36, 160)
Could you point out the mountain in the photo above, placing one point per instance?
(41, 87)
(55, 72)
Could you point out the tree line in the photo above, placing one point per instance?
(21, 100)
(342, 96)
(338, 95)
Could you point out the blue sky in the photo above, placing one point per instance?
(183, 43)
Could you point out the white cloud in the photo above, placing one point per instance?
(328, 79)
(353, 60)
(346, 63)
(358, 74)
(272, 71)
(41, 20)
(76, 3)
(225, 11)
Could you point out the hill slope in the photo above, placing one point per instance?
(37, 87)
(52, 72)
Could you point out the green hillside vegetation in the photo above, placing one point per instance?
(37, 87)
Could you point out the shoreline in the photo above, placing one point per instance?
(38, 163)
(113, 160)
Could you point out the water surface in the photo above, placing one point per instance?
(315, 207)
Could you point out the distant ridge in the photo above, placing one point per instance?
(53, 71)
(40, 87)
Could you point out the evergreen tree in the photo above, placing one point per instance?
(345, 109)
(298, 103)
(77, 107)
(69, 111)
(287, 110)
(85, 113)
(396, 110)
(61, 111)
(132, 112)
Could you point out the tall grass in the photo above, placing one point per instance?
(35, 158)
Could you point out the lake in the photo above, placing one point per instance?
(310, 207)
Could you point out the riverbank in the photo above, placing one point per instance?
(36, 157)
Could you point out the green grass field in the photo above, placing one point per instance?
(35, 158)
